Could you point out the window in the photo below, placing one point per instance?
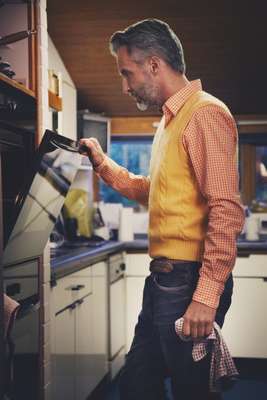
(261, 173)
(132, 153)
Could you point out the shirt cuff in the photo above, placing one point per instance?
(208, 292)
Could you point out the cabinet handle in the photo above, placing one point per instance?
(72, 306)
(122, 266)
(77, 287)
(264, 279)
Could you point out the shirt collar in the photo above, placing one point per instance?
(174, 103)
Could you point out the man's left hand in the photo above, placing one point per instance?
(198, 320)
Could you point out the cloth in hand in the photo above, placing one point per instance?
(223, 372)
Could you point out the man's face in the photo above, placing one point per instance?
(137, 80)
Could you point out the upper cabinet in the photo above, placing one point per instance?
(18, 63)
(62, 95)
(18, 47)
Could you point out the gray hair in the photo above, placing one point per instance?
(151, 37)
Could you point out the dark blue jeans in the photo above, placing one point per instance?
(156, 351)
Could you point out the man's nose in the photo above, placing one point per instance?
(125, 87)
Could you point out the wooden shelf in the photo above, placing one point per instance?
(54, 101)
(251, 123)
(12, 84)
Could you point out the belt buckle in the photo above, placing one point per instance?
(161, 265)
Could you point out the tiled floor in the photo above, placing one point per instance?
(251, 386)
(243, 390)
(247, 390)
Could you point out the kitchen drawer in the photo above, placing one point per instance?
(253, 266)
(71, 288)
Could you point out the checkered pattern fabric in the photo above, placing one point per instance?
(223, 371)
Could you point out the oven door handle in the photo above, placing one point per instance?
(27, 308)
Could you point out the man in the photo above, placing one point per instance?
(194, 213)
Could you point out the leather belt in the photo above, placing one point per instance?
(161, 265)
(166, 265)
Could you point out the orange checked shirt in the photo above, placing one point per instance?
(209, 139)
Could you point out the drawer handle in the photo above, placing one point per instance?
(72, 306)
(122, 266)
(77, 287)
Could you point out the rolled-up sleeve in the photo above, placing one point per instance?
(134, 187)
(211, 142)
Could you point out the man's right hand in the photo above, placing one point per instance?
(92, 149)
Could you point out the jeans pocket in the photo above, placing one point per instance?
(171, 285)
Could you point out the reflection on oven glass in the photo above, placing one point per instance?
(43, 203)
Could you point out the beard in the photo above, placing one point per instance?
(146, 96)
(141, 106)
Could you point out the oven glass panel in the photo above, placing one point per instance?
(42, 201)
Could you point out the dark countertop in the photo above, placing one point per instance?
(69, 260)
(244, 247)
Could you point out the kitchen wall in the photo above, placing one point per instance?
(67, 118)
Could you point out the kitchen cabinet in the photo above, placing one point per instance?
(66, 116)
(79, 333)
(99, 321)
(137, 269)
(245, 327)
(86, 380)
(116, 316)
(63, 355)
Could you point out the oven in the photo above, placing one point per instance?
(16, 158)
(29, 211)
(117, 308)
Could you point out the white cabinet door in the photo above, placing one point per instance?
(134, 296)
(117, 316)
(85, 374)
(245, 327)
(137, 264)
(100, 320)
(63, 356)
(137, 269)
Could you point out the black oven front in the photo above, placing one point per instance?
(21, 352)
(16, 158)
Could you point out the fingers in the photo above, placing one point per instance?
(198, 320)
(194, 329)
(90, 147)
(89, 143)
(208, 328)
(186, 327)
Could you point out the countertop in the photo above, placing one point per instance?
(69, 260)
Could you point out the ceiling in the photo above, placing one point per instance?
(224, 45)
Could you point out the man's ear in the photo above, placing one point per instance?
(154, 64)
